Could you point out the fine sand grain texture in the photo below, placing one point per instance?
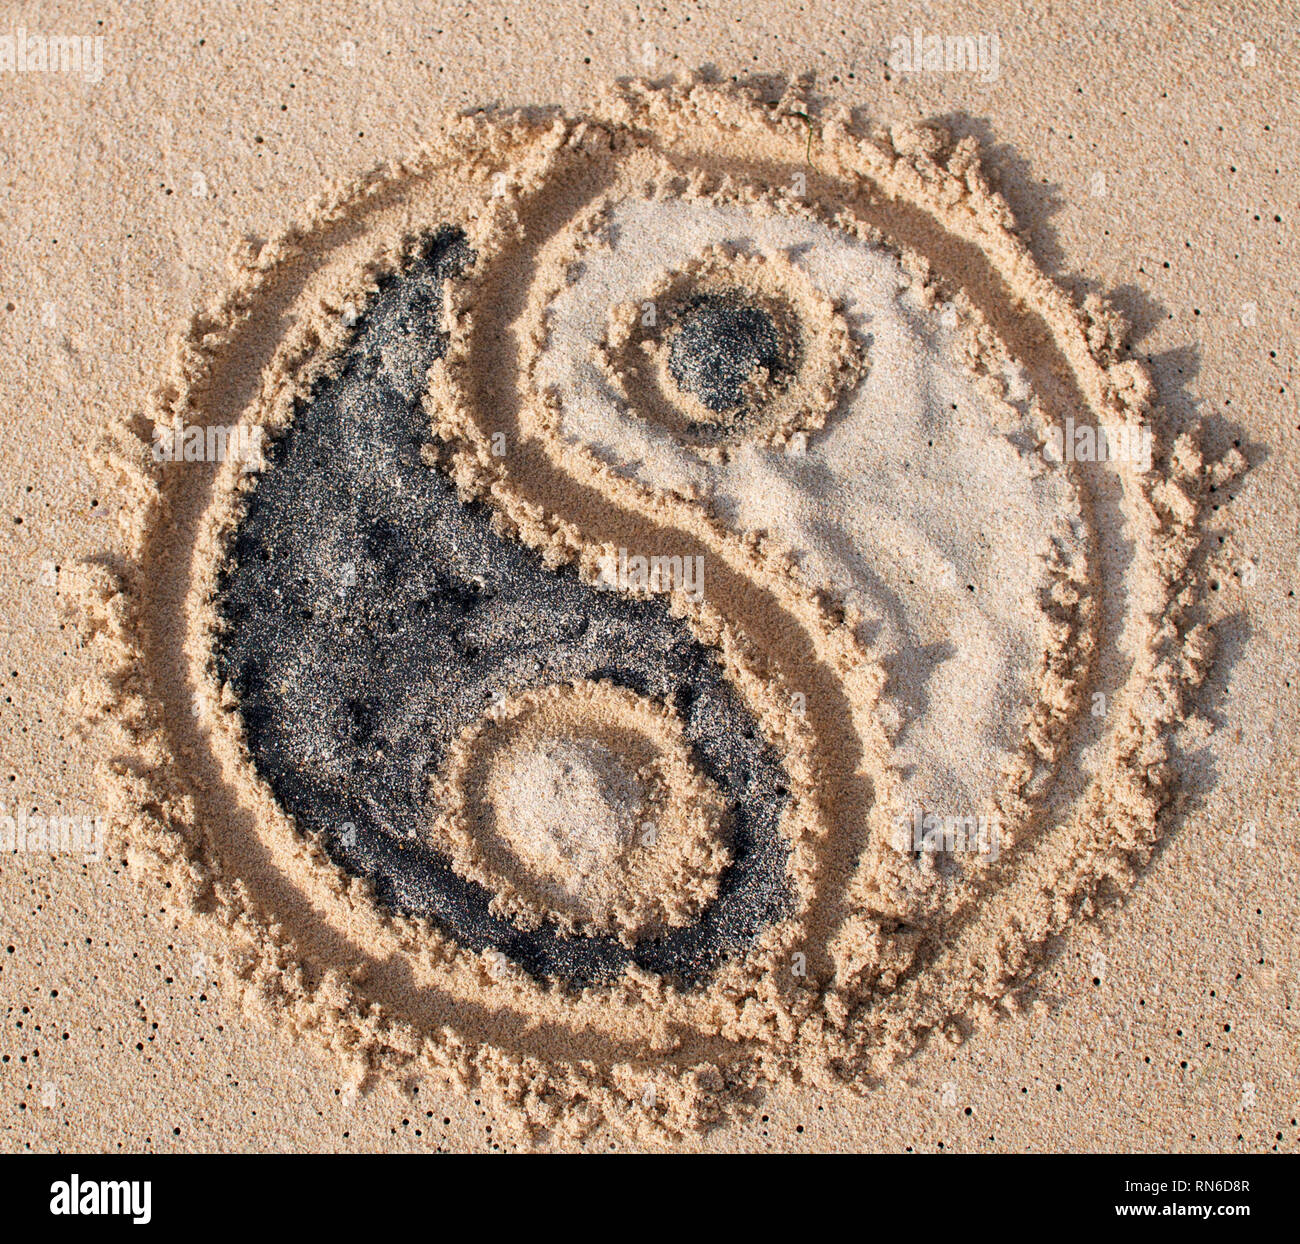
(738, 595)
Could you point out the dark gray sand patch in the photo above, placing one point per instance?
(717, 345)
(372, 616)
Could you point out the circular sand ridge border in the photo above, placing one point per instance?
(667, 872)
(317, 983)
(824, 360)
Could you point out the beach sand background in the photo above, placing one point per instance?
(1151, 157)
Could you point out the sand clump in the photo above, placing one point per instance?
(901, 505)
